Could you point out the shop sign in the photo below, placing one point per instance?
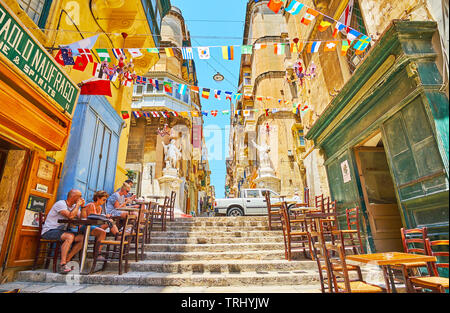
(27, 54)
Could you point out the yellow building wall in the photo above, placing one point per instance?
(116, 17)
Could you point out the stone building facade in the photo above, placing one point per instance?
(145, 156)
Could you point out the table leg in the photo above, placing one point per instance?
(85, 245)
(391, 278)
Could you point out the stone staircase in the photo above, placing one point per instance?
(231, 252)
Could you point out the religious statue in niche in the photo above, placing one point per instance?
(171, 154)
(164, 131)
(264, 158)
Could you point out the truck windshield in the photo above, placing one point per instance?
(252, 193)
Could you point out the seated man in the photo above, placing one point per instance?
(117, 200)
(52, 230)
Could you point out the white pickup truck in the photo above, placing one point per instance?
(250, 202)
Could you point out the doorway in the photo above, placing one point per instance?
(12, 161)
(379, 195)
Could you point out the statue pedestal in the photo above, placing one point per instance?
(171, 182)
(267, 179)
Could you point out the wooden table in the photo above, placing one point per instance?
(387, 259)
(88, 223)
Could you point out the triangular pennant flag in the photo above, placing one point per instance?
(217, 94)
(87, 53)
(362, 43)
(168, 87)
(119, 53)
(203, 53)
(214, 113)
(313, 47)
(330, 46)
(294, 7)
(228, 52)
(135, 53)
(137, 114)
(182, 89)
(345, 46)
(309, 16)
(324, 24)
(67, 57)
(187, 53)
(205, 93)
(337, 28)
(275, 5)
(153, 50)
(279, 48)
(169, 52)
(259, 46)
(246, 49)
(225, 112)
(353, 34)
(125, 115)
(81, 63)
(228, 95)
(296, 47)
(195, 89)
(103, 54)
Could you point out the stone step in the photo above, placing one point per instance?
(32, 287)
(227, 255)
(217, 266)
(215, 240)
(216, 228)
(216, 233)
(219, 224)
(165, 247)
(206, 279)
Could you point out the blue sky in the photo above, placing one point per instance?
(216, 23)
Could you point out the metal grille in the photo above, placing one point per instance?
(356, 23)
(33, 8)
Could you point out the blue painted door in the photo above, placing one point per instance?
(91, 157)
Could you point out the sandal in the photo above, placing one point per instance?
(64, 269)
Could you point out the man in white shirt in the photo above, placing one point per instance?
(52, 230)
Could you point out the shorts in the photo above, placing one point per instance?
(55, 234)
(83, 228)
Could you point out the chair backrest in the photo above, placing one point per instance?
(306, 196)
(128, 227)
(172, 199)
(267, 196)
(285, 219)
(338, 267)
(318, 200)
(322, 257)
(412, 237)
(352, 216)
(438, 254)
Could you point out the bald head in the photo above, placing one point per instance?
(74, 193)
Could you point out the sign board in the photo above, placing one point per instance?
(24, 52)
(346, 171)
(34, 206)
(45, 170)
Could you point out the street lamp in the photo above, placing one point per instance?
(218, 77)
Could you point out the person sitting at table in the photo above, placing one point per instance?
(53, 230)
(117, 200)
(95, 207)
(296, 197)
(129, 182)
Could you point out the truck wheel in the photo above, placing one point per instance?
(235, 212)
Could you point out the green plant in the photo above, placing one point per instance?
(131, 174)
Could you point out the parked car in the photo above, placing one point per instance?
(250, 202)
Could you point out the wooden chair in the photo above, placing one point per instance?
(273, 211)
(152, 207)
(435, 283)
(319, 251)
(319, 202)
(171, 212)
(347, 236)
(120, 245)
(339, 269)
(51, 247)
(137, 234)
(295, 240)
(159, 215)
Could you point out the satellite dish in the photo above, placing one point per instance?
(218, 77)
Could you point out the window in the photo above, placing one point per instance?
(414, 153)
(149, 88)
(139, 90)
(301, 138)
(252, 193)
(37, 10)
